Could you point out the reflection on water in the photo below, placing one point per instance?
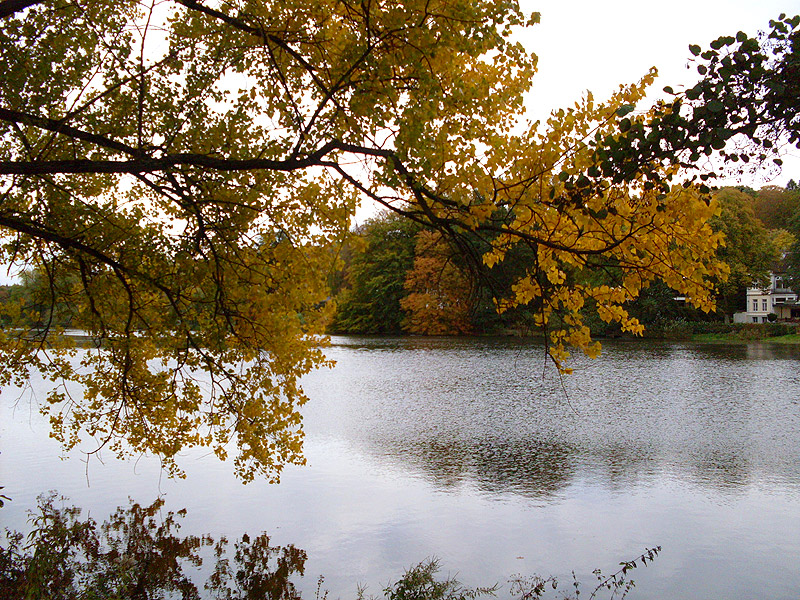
(475, 451)
(532, 467)
(724, 415)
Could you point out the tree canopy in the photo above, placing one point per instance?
(749, 250)
(182, 174)
(376, 259)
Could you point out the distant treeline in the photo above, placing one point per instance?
(397, 277)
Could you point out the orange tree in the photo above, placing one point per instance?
(439, 292)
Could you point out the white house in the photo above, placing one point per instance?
(778, 298)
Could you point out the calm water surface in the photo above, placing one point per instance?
(475, 451)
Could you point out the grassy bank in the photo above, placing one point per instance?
(700, 331)
(792, 338)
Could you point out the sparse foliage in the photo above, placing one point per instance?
(421, 583)
(618, 584)
(137, 554)
(744, 108)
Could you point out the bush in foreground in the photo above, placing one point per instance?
(138, 554)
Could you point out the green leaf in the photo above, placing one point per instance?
(625, 109)
(693, 94)
(694, 49)
(717, 44)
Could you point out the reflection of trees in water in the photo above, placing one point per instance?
(725, 469)
(137, 554)
(530, 467)
(771, 351)
(541, 469)
(621, 467)
(722, 416)
(734, 351)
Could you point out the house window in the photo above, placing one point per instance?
(755, 319)
(763, 304)
(755, 305)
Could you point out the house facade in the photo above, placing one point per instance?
(777, 299)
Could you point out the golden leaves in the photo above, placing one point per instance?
(586, 228)
(438, 298)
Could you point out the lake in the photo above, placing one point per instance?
(473, 450)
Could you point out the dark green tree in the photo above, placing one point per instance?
(659, 304)
(377, 261)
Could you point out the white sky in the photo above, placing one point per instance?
(597, 45)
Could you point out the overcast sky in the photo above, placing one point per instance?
(597, 45)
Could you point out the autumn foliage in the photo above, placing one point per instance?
(438, 290)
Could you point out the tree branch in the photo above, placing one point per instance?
(164, 163)
(15, 116)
